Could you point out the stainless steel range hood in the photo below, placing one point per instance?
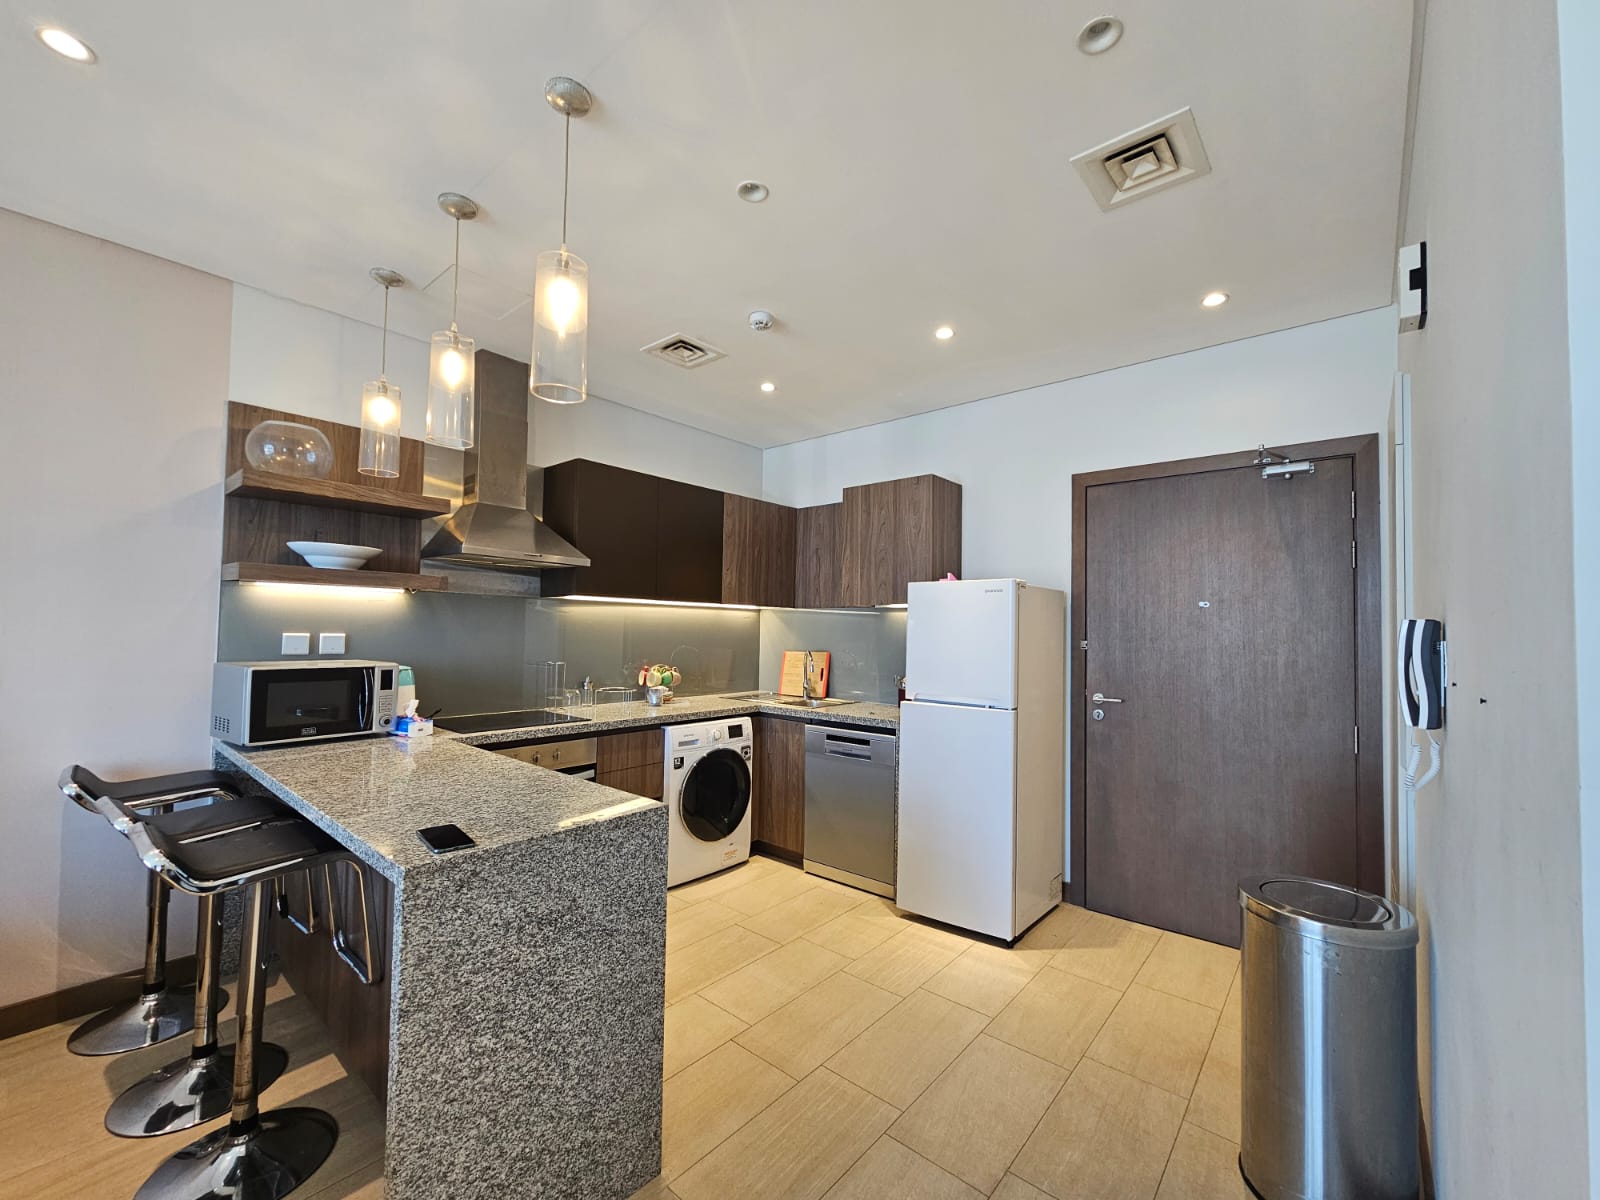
(493, 527)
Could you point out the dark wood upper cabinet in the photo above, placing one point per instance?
(660, 539)
(689, 553)
(758, 552)
(817, 579)
(613, 516)
(897, 532)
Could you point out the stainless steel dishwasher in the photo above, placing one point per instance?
(850, 786)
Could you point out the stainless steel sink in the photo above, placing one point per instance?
(789, 701)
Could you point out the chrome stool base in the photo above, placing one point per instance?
(187, 1093)
(145, 1021)
(269, 1161)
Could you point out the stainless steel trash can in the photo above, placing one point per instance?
(1329, 1063)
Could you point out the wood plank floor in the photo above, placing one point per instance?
(820, 1045)
(53, 1143)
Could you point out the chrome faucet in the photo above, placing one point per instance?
(807, 684)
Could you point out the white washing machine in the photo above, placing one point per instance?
(708, 777)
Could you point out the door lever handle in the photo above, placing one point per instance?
(1103, 699)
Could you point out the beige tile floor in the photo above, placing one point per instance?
(822, 1045)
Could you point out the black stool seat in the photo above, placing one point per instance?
(222, 815)
(176, 786)
(210, 864)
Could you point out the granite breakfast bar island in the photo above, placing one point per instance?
(516, 1037)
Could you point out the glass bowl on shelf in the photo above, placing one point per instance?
(289, 448)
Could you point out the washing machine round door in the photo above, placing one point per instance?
(715, 795)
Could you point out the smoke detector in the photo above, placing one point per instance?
(683, 351)
(761, 320)
(1149, 159)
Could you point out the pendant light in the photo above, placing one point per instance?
(380, 401)
(450, 358)
(559, 370)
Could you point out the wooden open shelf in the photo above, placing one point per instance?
(244, 572)
(332, 493)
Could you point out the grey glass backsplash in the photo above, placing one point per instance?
(476, 653)
(867, 649)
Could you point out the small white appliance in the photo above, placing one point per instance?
(982, 798)
(271, 703)
(707, 790)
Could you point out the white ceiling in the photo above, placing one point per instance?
(917, 152)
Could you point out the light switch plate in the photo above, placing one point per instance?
(330, 643)
(296, 643)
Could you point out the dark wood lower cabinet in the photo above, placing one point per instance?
(778, 824)
(631, 762)
(355, 1014)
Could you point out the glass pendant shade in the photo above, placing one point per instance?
(380, 430)
(450, 382)
(560, 362)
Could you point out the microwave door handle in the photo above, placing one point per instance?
(364, 697)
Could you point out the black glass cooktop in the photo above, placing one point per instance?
(491, 722)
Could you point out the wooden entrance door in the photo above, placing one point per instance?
(1221, 614)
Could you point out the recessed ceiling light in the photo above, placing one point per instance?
(1099, 35)
(944, 333)
(1214, 299)
(753, 191)
(768, 386)
(64, 44)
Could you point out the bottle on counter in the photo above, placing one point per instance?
(587, 694)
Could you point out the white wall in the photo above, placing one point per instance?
(1015, 455)
(1498, 836)
(1580, 103)
(112, 370)
(307, 360)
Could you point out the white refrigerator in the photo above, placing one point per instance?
(982, 797)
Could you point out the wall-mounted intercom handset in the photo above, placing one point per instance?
(1424, 670)
(1422, 673)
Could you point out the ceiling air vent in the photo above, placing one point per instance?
(1147, 160)
(683, 352)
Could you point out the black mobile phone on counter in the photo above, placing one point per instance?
(442, 839)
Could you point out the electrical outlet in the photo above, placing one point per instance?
(330, 643)
(296, 643)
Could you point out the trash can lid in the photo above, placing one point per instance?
(1329, 912)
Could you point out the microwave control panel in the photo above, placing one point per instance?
(384, 706)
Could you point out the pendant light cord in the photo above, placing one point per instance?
(383, 359)
(566, 178)
(455, 279)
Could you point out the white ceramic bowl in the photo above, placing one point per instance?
(335, 555)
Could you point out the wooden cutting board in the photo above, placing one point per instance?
(791, 679)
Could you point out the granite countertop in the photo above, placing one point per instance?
(612, 718)
(373, 794)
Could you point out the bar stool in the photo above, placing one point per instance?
(159, 1012)
(256, 1156)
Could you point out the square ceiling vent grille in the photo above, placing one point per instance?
(1157, 156)
(683, 351)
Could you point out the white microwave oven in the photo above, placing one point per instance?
(276, 703)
